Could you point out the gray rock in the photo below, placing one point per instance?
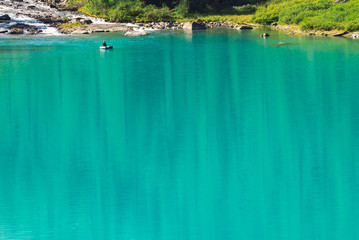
(244, 27)
(5, 17)
(194, 26)
(280, 44)
(33, 31)
(135, 33)
(355, 35)
(81, 32)
(340, 34)
(340, 1)
(22, 26)
(85, 21)
(16, 31)
(76, 20)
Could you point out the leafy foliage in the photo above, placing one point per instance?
(162, 10)
(69, 25)
(308, 14)
(311, 14)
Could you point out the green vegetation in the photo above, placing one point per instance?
(73, 24)
(129, 11)
(307, 14)
(167, 10)
(218, 18)
(311, 14)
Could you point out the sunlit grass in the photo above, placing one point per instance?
(73, 24)
(311, 14)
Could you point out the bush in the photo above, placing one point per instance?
(245, 9)
(181, 10)
(144, 11)
(312, 23)
(69, 25)
(266, 15)
(311, 14)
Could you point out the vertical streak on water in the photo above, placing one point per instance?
(204, 135)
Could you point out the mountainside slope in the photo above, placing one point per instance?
(311, 14)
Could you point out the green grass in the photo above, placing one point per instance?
(137, 11)
(129, 11)
(310, 14)
(74, 24)
(236, 19)
(307, 14)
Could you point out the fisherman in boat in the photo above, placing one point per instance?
(104, 46)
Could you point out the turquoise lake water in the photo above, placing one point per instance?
(210, 135)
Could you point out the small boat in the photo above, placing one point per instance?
(106, 47)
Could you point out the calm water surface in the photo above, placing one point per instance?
(211, 135)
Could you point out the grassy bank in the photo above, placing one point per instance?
(310, 14)
(138, 11)
(306, 14)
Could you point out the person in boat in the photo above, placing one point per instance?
(104, 43)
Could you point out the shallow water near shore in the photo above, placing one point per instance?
(210, 135)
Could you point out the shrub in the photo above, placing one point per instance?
(245, 9)
(311, 14)
(69, 25)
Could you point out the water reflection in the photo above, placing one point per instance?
(223, 137)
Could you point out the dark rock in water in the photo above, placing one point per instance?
(52, 6)
(264, 35)
(5, 17)
(31, 7)
(340, 34)
(67, 8)
(76, 20)
(81, 20)
(50, 19)
(194, 26)
(311, 34)
(85, 21)
(16, 31)
(280, 44)
(2, 30)
(33, 31)
(244, 27)
(21, 26)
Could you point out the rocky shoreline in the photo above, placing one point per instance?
(69, 21)
(294, 30)
(35, 17)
